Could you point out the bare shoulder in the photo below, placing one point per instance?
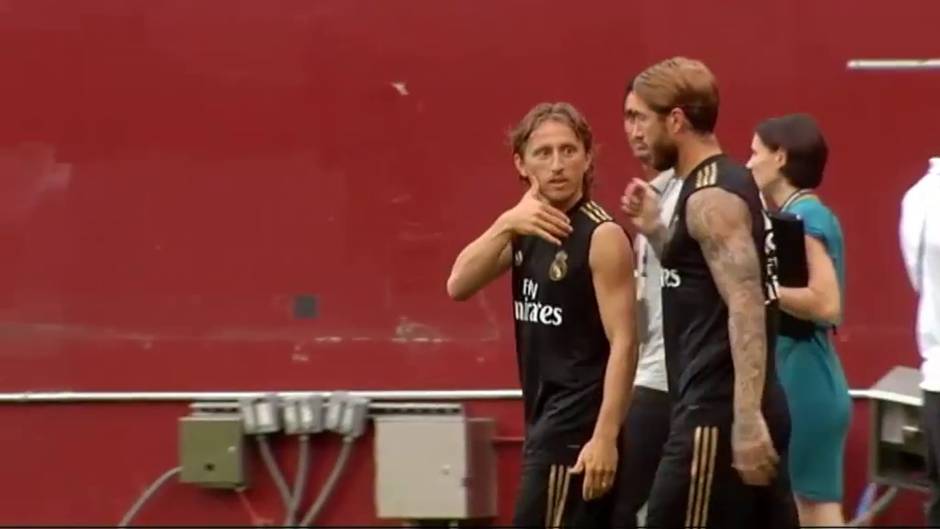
(610, 246)
(714, 212)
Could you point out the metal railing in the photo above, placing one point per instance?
(28, 397)
(893, 64)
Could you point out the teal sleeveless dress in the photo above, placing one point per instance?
(813, 379)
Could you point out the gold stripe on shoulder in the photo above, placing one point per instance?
(706, 176)
(590, 214)
(596, 208)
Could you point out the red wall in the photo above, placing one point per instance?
(173, 173)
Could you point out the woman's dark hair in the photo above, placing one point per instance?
(800, 137)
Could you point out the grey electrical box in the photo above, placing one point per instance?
(897, 450)
(212, 451)
(434, 467)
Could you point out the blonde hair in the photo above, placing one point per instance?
(682, 83)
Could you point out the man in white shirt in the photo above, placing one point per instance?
(920, 246)
(647, 422)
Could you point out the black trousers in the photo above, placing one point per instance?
(646, 430)
(550, 496)
(696, 486)
(930, 419)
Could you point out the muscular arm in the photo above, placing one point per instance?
(611, 260)
(482, 261)
(721, 223)
(820, 300)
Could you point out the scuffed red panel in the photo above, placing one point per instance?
(174, 174)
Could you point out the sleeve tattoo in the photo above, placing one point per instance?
(721, 223)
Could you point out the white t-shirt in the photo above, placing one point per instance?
(651, 364)
(920, 247)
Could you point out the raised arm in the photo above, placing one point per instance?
(721, 222)
(611, 261)
(642, 205)
(480, 262)
(484, 259)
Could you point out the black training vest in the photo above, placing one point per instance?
(561, 345)
(695, 317)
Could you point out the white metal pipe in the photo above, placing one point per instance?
(893, 64)
(216, 396)
(375, 407)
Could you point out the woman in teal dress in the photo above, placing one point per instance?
(788, 158)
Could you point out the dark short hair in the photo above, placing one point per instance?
(799, 135)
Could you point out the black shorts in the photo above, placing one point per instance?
(550, 496)
(695, 485)
(646, 430)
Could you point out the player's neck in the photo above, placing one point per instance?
(568, 204)
(695, 151)
(650, 172)
(780, 191)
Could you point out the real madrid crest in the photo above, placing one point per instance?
(518, 257)
(559, 267)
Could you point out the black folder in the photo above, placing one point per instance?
(792, 268)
